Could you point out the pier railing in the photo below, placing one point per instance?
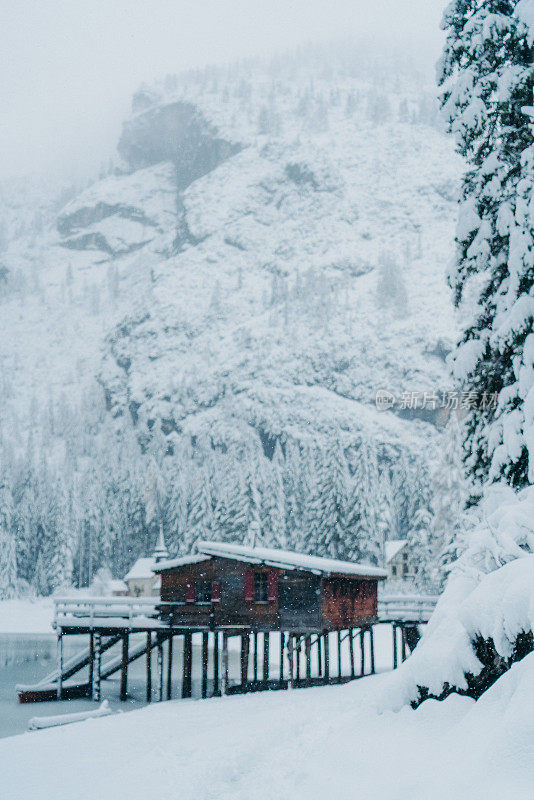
(98, 608)
(406, 607)
(391, 608)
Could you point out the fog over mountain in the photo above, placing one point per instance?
(70, 68)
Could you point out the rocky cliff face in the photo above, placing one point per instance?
(174, 132)
(271, 256)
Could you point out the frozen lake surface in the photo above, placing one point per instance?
(27, 657)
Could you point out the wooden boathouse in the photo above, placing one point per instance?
(262, 589)
(226, 594)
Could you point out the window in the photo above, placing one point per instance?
(261, 588)
(203, 592)
(393, 571)
(405, 570)
(345, 588)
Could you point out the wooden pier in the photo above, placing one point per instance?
(135, 627)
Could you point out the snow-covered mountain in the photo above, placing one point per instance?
(271, 252)
(227, 283)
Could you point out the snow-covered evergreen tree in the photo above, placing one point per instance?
(333, 501)
(8, 555)
(486, 76)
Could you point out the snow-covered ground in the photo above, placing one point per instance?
(302, 744)
(26, 616)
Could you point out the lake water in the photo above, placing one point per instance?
(28, 658)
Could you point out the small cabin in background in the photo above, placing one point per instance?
(262, 589)
(142, 579)
(399, 563)
(118, 588)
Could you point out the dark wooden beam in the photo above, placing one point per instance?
(91, 661)
(339, 665)
(403, 643)
(372, 646)
(124, 667)
(204, 686)
(266, 656)
(291, 659)
(351, 652)
(307, 647)
(297, 657)
(362, 651)
(59, 665)
(216, 687)
(326, 658)
(225, 675)
(282, 656)
(149, 667)
(255, 656)
(319, 655)
(169, 667)
(187, 665)
(159, 663)
(395, 654)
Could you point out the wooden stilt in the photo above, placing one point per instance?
(319, 655)
(187, 665)
(245, 647)
(225, 676)
(59, 664)
(395, 654)
(339, 665)
(297, 659)
(265, 673)
(351, 652)
(326, 658)
(159, 667)
(204, 689)
(282, 655)
(97, 667)
(169, 667)
(255, 656)
(372, 648)
(91, 660)
(124, 668)
(291, 659)
(403, 643)
(149, 667)
(216, 688)
(362, 651)
(307, 647)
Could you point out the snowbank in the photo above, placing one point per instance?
(499, 607)
(305, 744)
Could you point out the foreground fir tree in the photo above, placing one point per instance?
(486, 76)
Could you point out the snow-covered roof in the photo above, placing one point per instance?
(276, 558)
(143, 568)
(180, 562)
(393, 547)
(116, 585)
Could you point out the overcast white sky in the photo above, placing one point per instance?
(68, 67)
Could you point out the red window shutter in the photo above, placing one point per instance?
(249, 586)
(190, 593)
(272, 586)
(215, 591)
